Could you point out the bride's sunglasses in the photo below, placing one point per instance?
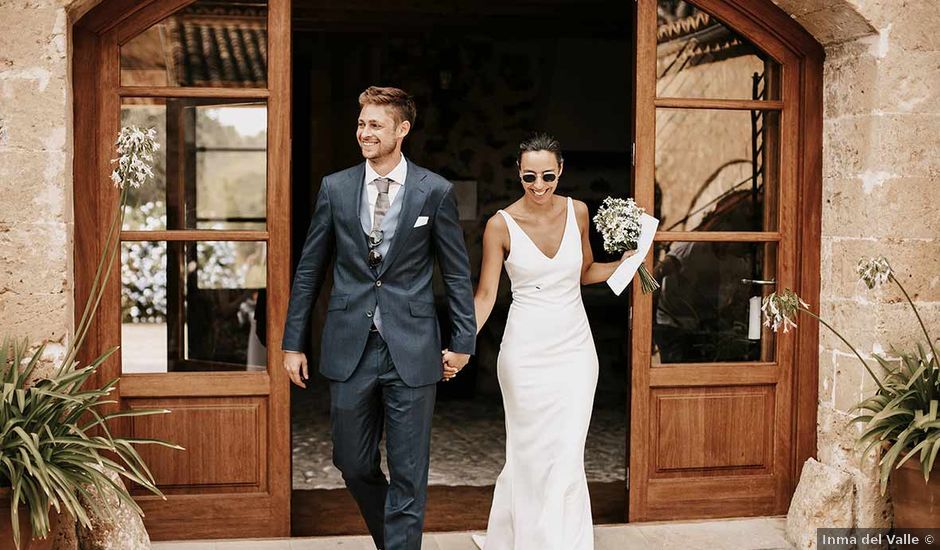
(547, 177)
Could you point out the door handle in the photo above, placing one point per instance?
(758, 282)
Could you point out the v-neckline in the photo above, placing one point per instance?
(561, 242)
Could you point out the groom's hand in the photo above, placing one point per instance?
(453, 363)
(295, 363)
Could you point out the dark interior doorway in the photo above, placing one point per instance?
(483, 76)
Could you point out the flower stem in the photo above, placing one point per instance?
(649, 283)
(97, 287)
(851, 347)
(916, 314)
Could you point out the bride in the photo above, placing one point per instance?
(547, 365)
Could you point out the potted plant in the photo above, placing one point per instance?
(55, 446)
(901, 419)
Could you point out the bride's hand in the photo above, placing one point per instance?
(450, 371)
(627, 254)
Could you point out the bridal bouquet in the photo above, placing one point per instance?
(618, 221)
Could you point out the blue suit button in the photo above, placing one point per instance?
(369, 314)
(378, 283)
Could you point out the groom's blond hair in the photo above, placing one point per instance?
(401, 103)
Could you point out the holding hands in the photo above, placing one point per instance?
(453, 363)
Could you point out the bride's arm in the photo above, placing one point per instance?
(495, 245)
(591, 271)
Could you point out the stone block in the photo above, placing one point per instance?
(823, 498)
(836, 444)
(799, 8)
(121, 530)
(836, 23)
(33, 185)
(825, 259)
(40, 37)
(849, 376)
(916, 264)
(836, 437)
(826, 378)
(36, 258)
(898, 326)
(908, 82)
(855, 320)
(847, 146)
(36, 316)
(851, 81)
(906, 144)
(878, 205)
(913, 25)
(898, 144)
(34, 113)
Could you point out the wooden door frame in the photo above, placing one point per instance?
(96, 38)
(801, 57)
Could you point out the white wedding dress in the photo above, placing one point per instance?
(547, 370)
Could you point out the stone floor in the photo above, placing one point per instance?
(467, 441)
(736, 534)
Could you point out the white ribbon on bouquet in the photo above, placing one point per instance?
(624, 274)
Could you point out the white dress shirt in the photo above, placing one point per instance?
(397, 175)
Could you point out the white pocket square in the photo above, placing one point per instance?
(422, 220)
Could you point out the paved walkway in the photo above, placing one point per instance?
(735, 534)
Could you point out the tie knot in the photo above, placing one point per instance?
(382, 184)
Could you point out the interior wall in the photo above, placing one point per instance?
(478, 95)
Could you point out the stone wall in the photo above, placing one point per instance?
(35, 170)
(881, 173)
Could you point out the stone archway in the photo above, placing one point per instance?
(829, 21)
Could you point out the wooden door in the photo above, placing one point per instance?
(197, 297)
(727, 149)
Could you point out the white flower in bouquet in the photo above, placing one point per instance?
(618, 222)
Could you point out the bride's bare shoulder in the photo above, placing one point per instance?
(580, 207)
(496, 221)
(496, 228)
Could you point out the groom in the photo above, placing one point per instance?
(384, 221)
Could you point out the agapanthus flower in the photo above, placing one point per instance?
(135, 148)
(779, 310)
(873, 271)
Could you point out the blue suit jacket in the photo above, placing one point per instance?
(401, 285)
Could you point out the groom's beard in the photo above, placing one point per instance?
(377, 151)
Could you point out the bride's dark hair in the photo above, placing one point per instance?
(540, 141)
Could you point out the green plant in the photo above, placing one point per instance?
(55, 444)
(902, 416)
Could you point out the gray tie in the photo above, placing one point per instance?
(381, 202)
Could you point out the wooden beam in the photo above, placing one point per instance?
(193, 92)
(723, 104)
(194, 235)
